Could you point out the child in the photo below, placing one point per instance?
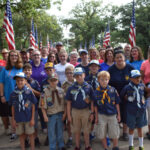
(70, 80)
(78, 97)
(52, 105)
(34, 86)
(107, 110)
(23, 108)
(133, 93)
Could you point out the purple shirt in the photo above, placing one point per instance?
(38, 73)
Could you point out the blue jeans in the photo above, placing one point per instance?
(55, 131)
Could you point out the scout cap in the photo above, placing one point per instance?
(78, 71)
(53, 76)
(135, 74)
(81, 51)
(49, 65)
(94, 62)
(19, 74)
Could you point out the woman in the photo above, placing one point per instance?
(93, 53)
(136, 57)
(73, 58)
(52, 58)
(109, 60)
(7, 85)
(119, 73)
(145, 72)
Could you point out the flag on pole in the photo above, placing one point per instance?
(40, 44)
(32, 35)
(85, 45)
(51, 44)
(48, 44)
(80, 46)
(36, 38)
(93, 41)
(132, 34)
(106, 40)
(9, 27)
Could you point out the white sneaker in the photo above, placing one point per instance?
(13, 137)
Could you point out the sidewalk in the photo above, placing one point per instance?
(5, 144)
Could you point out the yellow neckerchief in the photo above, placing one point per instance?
(105, 95)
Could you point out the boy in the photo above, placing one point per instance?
(107, 110)
(70, 80)
(52, 105)
(78, 97)
(34, 86)
(133, 93)
(23, 108)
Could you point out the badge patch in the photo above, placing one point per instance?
(27, 91)
(127, 77)
(49, 104)
(73, 91)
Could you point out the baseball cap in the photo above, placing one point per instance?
(49, 65)
(4, 50)
(24, 50)
(94, 62)
(20, 74)
(78, 71)
(53, 76)
(31, 48)
(83, 51)
(135, 74)
(59, 44)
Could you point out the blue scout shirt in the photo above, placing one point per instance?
(92, 80)
(119, 77)
(106, 100)
(78, 94)
(135, 97)
(22, 101)
(137, 64)
(85, 68)
(6, 78)
(104, 67)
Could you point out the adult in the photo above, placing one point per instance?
(93, 53)
(102, 55)
(59, 46)
(136, 57)
(52, 58)
(38, 72)
(119, 73)
(109, 60)
(44, 54)
(30, 50)
(127, 51)
(84, 61)
(60, 68)
(25, 55)
(73, 57)
(7, 85)
(145, 72)
(5, 53)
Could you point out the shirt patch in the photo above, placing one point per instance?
(127, 77)
(27, 92)
(73, 91)
(49, 99)
(43, 73)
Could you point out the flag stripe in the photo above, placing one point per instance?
(106, 40)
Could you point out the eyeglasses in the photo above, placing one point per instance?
(13, 55)
(52, 56)
(36, 55)
(69, 72)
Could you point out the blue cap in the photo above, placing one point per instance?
(20, 74)
(83, 51)
(135, 74)
(78, 71)
(59, 44)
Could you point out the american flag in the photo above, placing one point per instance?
(132, 34)
(40, 44)
(36, 38)
(106, 40)
(48, 44)
(9, 27)
(32, 35)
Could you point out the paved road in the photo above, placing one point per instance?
(96, 145)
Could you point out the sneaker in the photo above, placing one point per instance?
(115, 148)
(76, 148)
(69, 143)
(37, 142)
(88, 148)
(13, 137)
(92, 137)
(27, 145)
(148, 135)
(124, 137)
(46, 143)
(131, 147)
(141, 148)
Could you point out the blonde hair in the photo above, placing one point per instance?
(95, 50)
(103, 74)
(62, 51)
(69, 68)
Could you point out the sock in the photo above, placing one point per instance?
(141, 141)
(131, 136)
(92, 133)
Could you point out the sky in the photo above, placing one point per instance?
(67, 6)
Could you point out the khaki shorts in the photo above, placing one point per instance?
(80, 120)
(24, 128)
(107, 125)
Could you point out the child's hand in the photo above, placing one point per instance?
(118, 118)
(63, 117)
(46, 119)
(91, 117)
(70, 119)
(3, 100)
(32, 122)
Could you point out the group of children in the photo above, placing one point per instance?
(84, 102)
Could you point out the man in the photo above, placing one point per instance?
(44, 54)
(30, 50)
(59, 46)
(25, 55)
(127, 50)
